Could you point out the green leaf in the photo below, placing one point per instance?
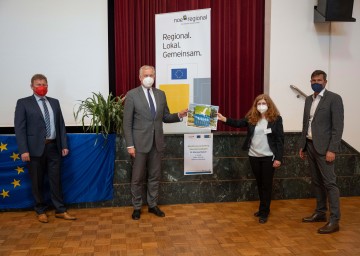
(105, 114)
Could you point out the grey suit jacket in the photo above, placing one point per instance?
(139, 126)
(30, 127)
(327, 125)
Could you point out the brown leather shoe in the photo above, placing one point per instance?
(42, 218)
(330, 227)
(316, 217)
(65, 216)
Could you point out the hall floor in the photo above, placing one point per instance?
(187, 230)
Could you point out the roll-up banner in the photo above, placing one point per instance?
(183, 62)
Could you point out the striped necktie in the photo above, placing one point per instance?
(152, 106)
(47, 118)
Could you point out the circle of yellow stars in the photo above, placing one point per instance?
(16, 182)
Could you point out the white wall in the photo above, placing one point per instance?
(297, 46)
(345, 71)
(65, 40)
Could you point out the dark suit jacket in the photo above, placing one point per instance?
(139, 126)
(30, 127)
(275, 138)
(327, 125)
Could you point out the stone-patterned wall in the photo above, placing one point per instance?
(232, 179)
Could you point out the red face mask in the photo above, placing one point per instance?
(41, 90)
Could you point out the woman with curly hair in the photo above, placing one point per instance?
(265, 143)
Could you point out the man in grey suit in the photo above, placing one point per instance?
(145, 111)
(41, 138)
(323, 125)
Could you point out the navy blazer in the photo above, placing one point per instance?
(275, 138)
(30, 127)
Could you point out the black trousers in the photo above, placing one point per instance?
(48, 163)
(263, 170)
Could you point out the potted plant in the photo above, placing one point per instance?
(104, 114)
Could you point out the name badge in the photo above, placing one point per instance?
(267, 131)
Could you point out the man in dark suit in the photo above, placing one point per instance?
(323, 125)
(41, 138)
(145, 111)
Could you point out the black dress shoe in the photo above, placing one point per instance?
(136, 214)
(263, 220)
(330, 227)
(155, 210)
(316, 217)
(256, 214)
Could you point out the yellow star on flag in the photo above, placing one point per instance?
(16, 183)
(15, 156)
(3, 147)
(20, 169)
(5, 194)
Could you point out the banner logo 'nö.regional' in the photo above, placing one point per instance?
(191, 19)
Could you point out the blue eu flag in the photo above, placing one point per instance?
(15, 185)
(87, 172)
(178, 73)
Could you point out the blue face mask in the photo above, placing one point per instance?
(317, 87)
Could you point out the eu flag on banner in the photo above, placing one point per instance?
(15, 185)
(178, 73)
(87, 172)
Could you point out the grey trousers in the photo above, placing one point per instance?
(324, 181)
(146, 165)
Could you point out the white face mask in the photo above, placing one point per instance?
(262, 108)
(148, 81)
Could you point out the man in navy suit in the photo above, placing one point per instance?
(41, 138)
(323, 125)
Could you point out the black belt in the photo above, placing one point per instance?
(49, 141)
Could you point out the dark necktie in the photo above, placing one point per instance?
(47, 118)
(152, 106)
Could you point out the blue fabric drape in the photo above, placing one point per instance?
(87, 172)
